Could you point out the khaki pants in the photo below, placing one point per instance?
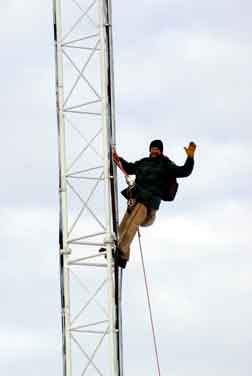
(138, 216)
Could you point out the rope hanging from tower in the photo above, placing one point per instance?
(149, 306)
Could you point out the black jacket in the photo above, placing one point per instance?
(151, 174)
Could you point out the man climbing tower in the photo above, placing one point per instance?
(155, 181)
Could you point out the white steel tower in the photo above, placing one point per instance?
(90, 280)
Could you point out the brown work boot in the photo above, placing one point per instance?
(121, 261)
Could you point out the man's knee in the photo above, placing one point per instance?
(150, 218)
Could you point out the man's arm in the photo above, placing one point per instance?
(129, 167)
(186, 169)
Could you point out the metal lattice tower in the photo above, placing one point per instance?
(90, 283)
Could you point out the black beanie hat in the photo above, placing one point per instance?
(157, 144)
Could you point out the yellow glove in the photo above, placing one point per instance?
(190, 150)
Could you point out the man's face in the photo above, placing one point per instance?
(154, 152)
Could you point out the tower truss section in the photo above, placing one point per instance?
(90, 280)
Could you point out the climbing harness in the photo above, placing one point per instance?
(149, 305)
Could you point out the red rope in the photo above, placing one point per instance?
(119, 164)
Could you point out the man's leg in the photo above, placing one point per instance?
(150, 218)
(128, 228)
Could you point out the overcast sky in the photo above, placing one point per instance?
(182, 73)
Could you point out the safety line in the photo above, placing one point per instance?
(149, 305)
